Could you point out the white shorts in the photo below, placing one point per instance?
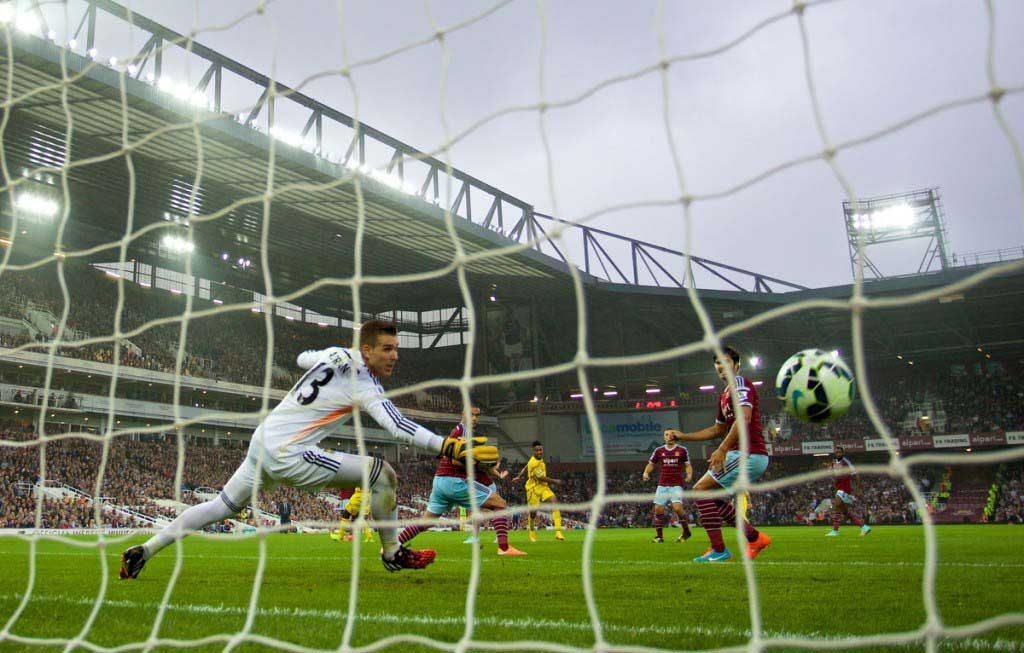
(306, 468)
(667, 494)
(846, 498)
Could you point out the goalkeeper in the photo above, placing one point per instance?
(283, 448)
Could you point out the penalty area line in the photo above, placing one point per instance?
(968, 643)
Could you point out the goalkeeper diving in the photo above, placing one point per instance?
(283, 449)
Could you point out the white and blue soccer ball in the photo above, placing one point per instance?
(815, 386)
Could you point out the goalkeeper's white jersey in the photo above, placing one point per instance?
(324, 398)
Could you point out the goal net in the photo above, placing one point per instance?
(193, 196)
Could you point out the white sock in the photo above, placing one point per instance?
(193, 519)
(383, 507)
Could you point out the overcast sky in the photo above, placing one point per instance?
(734, 115)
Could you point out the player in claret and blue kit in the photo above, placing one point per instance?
(452, 487)
(724, 463)
(844, 502)
(673, 459)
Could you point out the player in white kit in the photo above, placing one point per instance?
(283, 448)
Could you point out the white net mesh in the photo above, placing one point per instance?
(56, 60)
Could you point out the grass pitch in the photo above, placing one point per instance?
(646, 594)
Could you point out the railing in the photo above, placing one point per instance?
(989, 256)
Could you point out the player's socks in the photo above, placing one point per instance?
(659, 525)
(556, 516)
(193, 519)
(501, 529)
(712, 523)
(410, 532)
(836, 521)
(727, 511)
(684, 523)
(384, 508)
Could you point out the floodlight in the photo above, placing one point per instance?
(178, 244)
(37, 205)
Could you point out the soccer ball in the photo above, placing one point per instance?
(815, 386)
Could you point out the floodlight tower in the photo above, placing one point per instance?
(917, 215)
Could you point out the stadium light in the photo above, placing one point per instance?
(611, 393)
(652, 391)
(26, 23)
(758, 382)
(706, 388)
(755, 361)
(893, 217)
(835, 353)
(178, 244)
(37, 205)
(576, 395)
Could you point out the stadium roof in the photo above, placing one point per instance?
(314, 211)
(313, 214)
(311, 232)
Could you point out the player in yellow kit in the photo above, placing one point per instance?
(538, 491)
(349, 511)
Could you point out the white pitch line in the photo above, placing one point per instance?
(536, 559)
(970, 643)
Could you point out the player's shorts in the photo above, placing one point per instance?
(845, 497)
(667, 494)
(307, 468)
(756, 464)
(538, 495)
(450, 491)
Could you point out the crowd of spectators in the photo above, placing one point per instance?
(225, 346)
(971, 400)
(141, 470)
(1009, 506)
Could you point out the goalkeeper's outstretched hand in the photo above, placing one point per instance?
(483, 453)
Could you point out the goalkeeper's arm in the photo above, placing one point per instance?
(406, 430)
(308, 359)
(400, 427)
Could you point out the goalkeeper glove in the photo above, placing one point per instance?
(483, 453)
